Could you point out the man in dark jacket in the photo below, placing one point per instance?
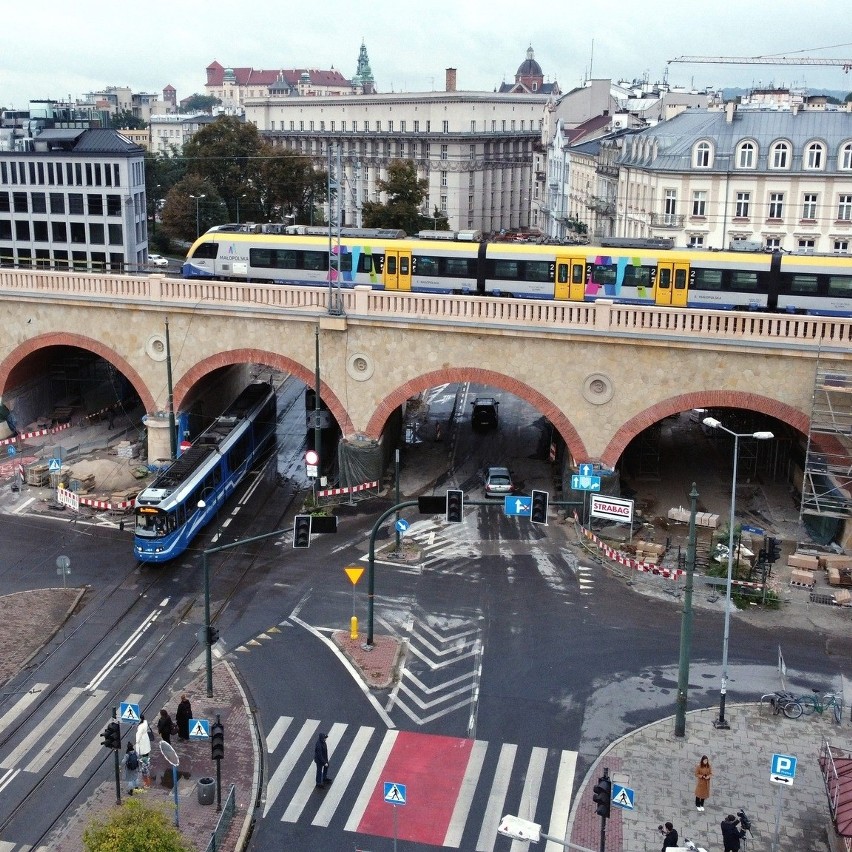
(321, 760)
(182, 717)
(669, 836)
(731, 834)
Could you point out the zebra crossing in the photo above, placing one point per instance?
(457, 789)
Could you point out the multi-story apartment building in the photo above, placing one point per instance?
(778, 178)
(73, 198)
(168, 133)
(474, 149)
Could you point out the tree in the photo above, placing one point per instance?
(186, 214)
(288, 184)
(127, 120)
(162, 172)
(405, 193)
(134, 827)
(199, 103)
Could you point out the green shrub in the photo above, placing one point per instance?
(135, 827)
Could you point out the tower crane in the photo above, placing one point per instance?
(845, 64)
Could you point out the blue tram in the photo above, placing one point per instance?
(168, 514)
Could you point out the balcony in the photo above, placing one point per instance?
(602, 206)
(667, 220)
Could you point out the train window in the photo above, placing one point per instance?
(426, 265)
(458, 267)
(273, 259)
(506, 269)
(578, 273)
(664, 282)
(345, 261)
(538, 270)
(404, 265)
(390, 264)
(744, 281)
(315, 260)
(803, 283)
(707, 279)
(634, 276)
(680, 279)
(603, 275)
(840, 285)
(206, 251)
(562, 273)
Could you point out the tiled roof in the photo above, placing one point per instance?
(261, 77)
(106, 141)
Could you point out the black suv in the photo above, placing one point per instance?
(484, 413)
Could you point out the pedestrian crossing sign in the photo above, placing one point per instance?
(199, 729)
(394, 793)
(129, 712)
(623, 797)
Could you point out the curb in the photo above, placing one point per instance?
(58, 626)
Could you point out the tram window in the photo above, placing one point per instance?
(744, 281)
(426, 265)
(603, 274)
(273, 259)
(664, 279)
(390, 264)
(840, 285)
(578, 273)
(457, 267)
(206, 251)
(506, 270)
(403, 265)
(680, 279)
(315, 260)
(562, 273)
(803, 284)
(537, 270)
(707, 279)
(635, 276)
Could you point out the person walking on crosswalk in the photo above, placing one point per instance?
(321, 760)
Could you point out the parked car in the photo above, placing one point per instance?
(157, 260)
(498, 482)
(484, 413)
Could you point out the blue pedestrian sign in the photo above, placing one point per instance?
(199, 729)
(128, 712)
(54, 465)
(585, 483)
(11, 450)
(518, 506)
(394, 793)
(783, 769)
(402, 525)
(623, 797)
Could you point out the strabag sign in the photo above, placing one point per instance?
(612, 508)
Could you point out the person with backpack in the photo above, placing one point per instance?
(131, 768)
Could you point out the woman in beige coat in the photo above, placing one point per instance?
(702, 782)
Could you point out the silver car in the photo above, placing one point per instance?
(498, 482)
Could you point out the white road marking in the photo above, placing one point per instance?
(308, 783)
(5, 781)
(497, 798)
(277, 732)
(342, 776)
(21, 509)
(283, 770)
(16, 709)
(529, 796)
(458, 820)
(369, 785)
(58, 711)
(558, 826)
(134, 637)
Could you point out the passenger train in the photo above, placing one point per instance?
(640, 272)
(183, 498)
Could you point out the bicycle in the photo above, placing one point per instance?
(784, 702)
(817, 703)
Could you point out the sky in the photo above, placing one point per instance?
(56, 49)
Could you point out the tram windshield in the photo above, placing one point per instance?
(153, 523)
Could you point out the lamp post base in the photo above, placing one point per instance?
(721, 725)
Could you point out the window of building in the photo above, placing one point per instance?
(78, 232)
(743, 203)
(443, 178)
(22, 230)
(699, 203)
(115, 235)
(773, 243)
(113, 205)
(702, 155)
(40, 232)
(845, 158)
(493, 125)
(670, 205)
(746, 155)
(779, 156)
(19, 200)
(776, 205)
(503, 125)
(809, 205)
(443, 203)
(696, 241)
(841, 247)
(445, 126)
(39, 202)
(378, 126)
(59, 233)
(311, 125)
(78, 174)
(807, 245)
(814, 156)
(272, 124)
(96, 205)
(512, 124)
(472, 151)
(96, 233)
(75, 203)
(844, 208)
(416, 126)
(445, 152)
(4, 202)
(428, 126)
(5, 234)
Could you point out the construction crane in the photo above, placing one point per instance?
(845, 64)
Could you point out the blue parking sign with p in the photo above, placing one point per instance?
(783, 768)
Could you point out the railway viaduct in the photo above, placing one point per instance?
(601, 373)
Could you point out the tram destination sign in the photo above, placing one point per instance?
(612, 508)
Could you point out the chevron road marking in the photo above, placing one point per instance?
(456, 646)
(445, 685)
(427, 705)
(468, 631)
(435, 666)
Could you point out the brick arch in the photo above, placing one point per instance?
(701, 399)
(271, 359)
(457, 375)
(62, 338)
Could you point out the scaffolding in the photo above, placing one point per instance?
(827, 479)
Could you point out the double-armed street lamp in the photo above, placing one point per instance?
(721, 723)
(197, 214)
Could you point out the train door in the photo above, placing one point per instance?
(570, 280)
(672, 284)
(397, 271)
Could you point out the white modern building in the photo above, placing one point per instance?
(74, 198)
(169, 133)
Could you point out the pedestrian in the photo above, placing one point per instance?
(669, 836)
(131, 768)
(731, 834)
(143, 749)
(165, 726)
(321, 760)
(182, 717)
(702, 782)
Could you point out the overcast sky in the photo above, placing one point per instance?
(57, 48)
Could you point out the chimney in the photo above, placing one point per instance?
(451, 79)
(730, 109)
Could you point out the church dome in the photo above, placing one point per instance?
(529, 67)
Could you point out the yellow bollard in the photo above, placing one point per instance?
(353, 627)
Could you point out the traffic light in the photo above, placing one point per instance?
(773, 551)
(212, 635)
(302, 531)
(603, 796)
(538, 512)
(217, 740)
(455, 506)
(111, 737)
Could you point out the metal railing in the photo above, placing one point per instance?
(224, 823)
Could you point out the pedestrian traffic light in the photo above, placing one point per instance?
(538, 511)
(212, 635)
(302, 531)
(773, 551)
(602, 796)
(455, 506)
(111, 737)
(217, 740)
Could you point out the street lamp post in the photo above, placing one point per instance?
(721, 723)
(197, 213)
